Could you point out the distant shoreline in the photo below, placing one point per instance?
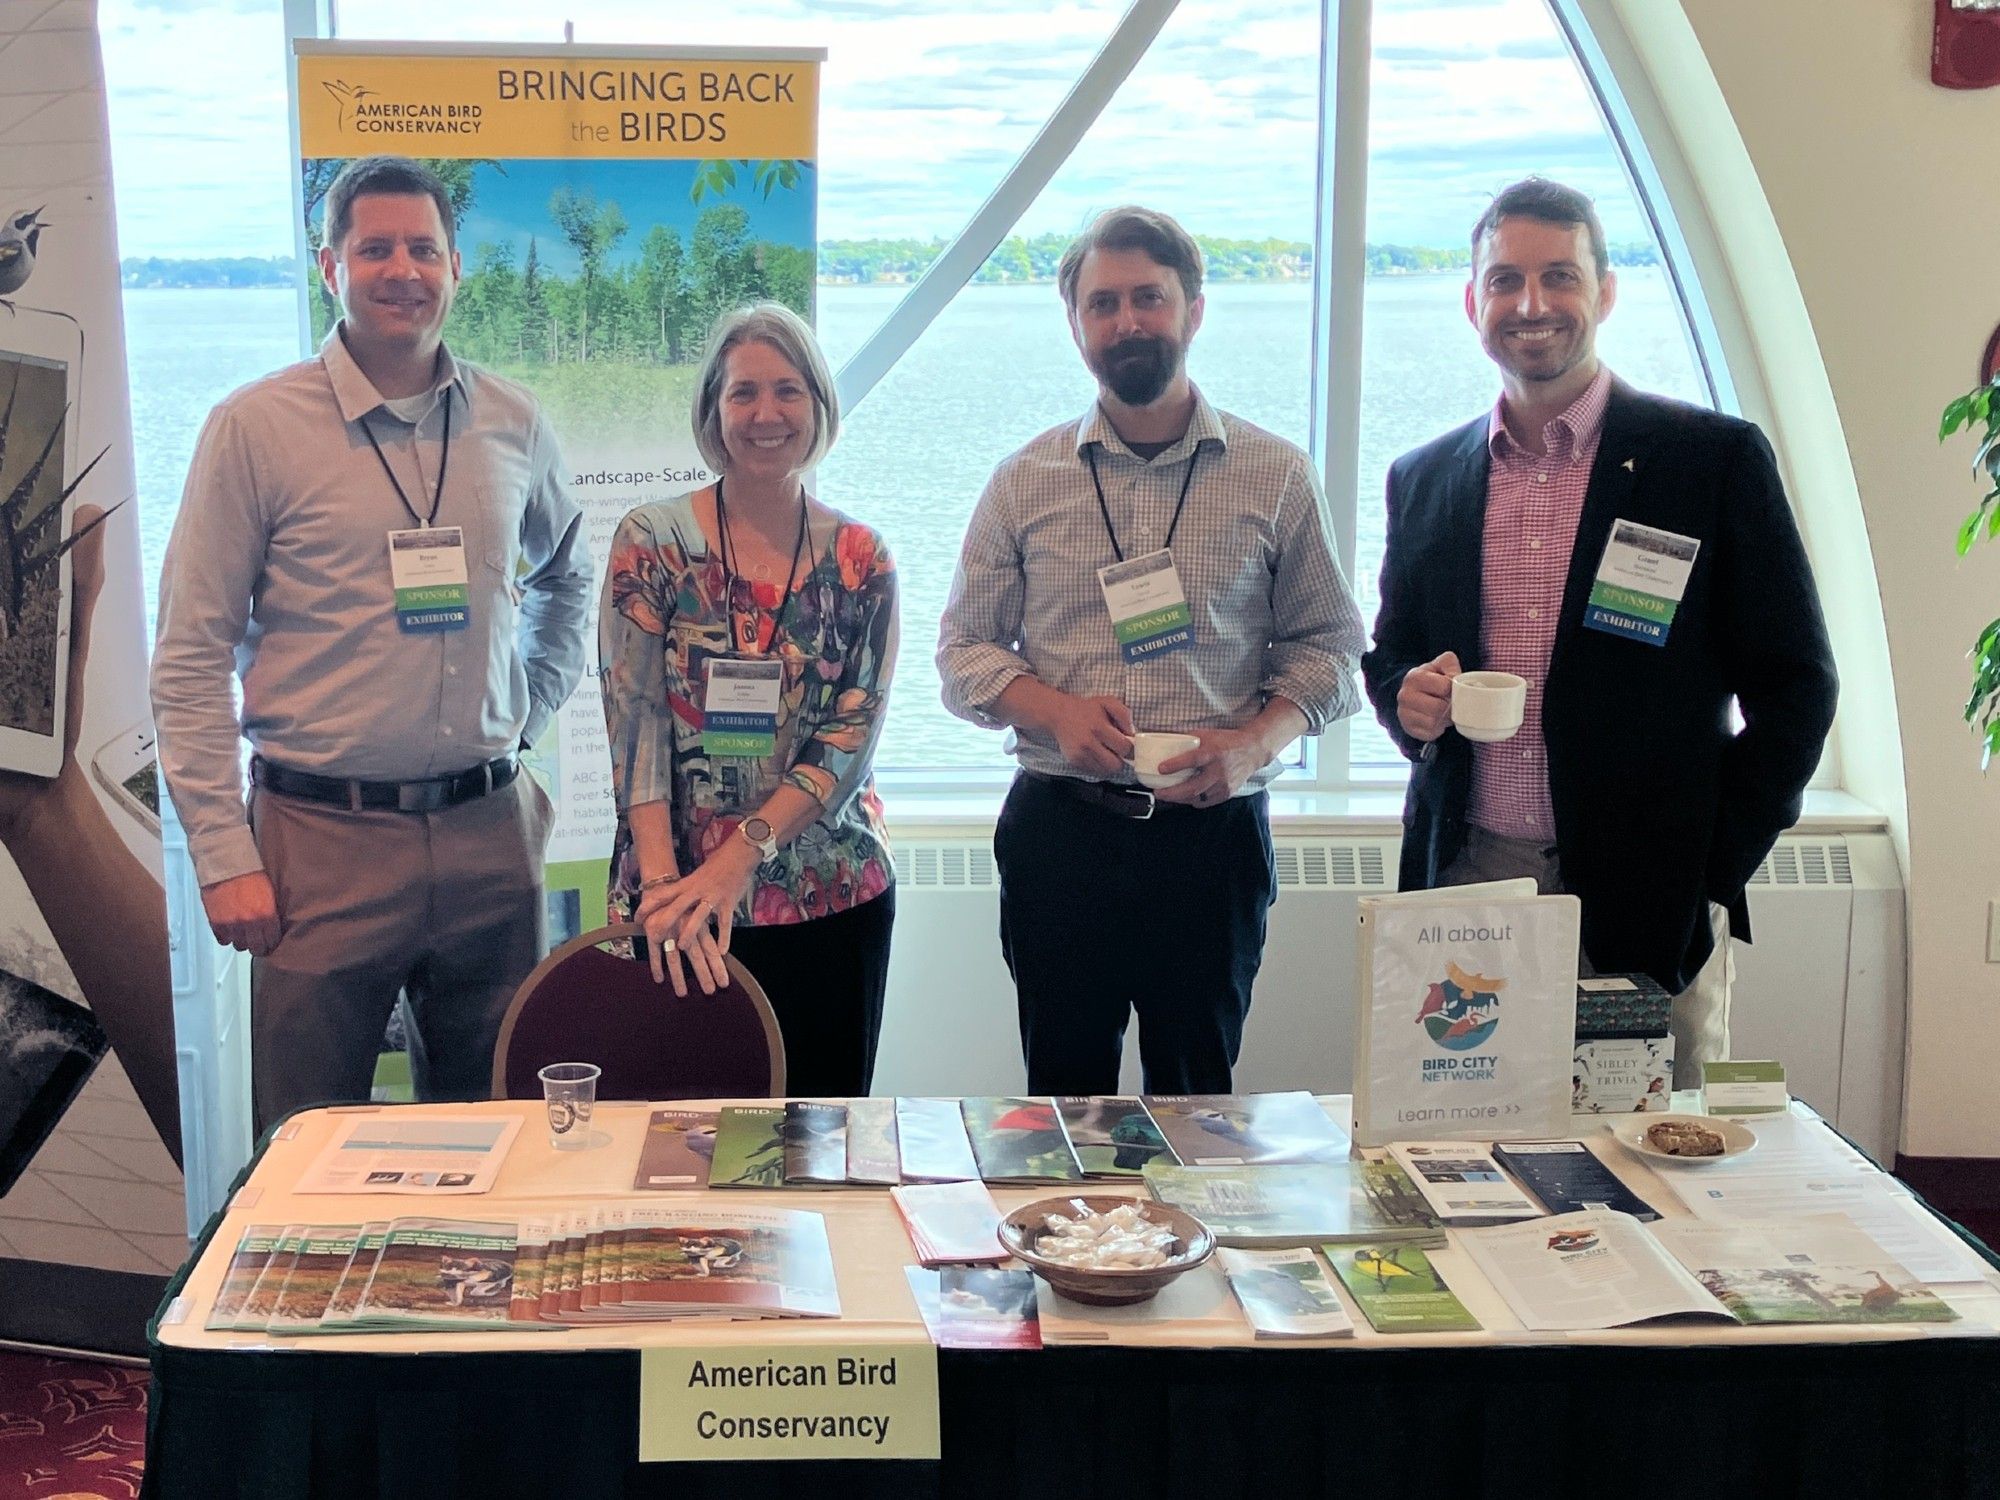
(286, 286)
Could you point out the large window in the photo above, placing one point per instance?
(925, 106)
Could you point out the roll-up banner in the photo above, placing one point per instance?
(610, 203)
(89, 1115)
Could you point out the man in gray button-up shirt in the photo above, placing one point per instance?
(389, 844)
(1110, 905)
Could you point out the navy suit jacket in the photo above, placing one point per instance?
(1660, 805)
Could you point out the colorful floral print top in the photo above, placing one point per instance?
(662, 620)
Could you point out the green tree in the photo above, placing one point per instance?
(721, 270)
(535, 340)
(663, 291)
(591, 231)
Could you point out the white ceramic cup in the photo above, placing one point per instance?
(1149, 749)
(1487, 706)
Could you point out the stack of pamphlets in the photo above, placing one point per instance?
(977, 1307)
(1270, 1207)
(1600, 1269)
(1462, 1182)
(1285, 1294)
(1565, 1176)
(931, 1133)
(872, 1154)
(1242, 1130)
(950, 1221)
(613, 1262)
(1398, 1289)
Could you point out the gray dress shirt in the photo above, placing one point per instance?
(278, 573)
(1272, 612)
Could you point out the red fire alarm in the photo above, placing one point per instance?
(1965, 44)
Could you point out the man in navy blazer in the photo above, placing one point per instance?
(1629, 783)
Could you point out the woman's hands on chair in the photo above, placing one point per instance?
(692, 916)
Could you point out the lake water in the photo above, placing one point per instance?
(996, 368)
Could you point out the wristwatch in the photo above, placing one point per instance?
(761, 836)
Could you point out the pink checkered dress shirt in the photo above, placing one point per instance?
(1533, 503)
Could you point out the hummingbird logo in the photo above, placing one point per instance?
(346, 95)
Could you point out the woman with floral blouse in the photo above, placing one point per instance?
(747, 637)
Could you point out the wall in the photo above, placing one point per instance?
(1876, 181)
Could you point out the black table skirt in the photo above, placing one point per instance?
(1917, 1419)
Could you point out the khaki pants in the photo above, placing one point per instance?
(444, 909)
(1700, 1018)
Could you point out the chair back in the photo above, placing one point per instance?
(583, 1004)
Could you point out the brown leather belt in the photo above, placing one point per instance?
(397, 796)
(1109, 796)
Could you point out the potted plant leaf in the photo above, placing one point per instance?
(1979, 410)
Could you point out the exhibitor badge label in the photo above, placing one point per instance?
(427, 570)
(1640, 582)
(739, 714)
(795, 1401)
(1149, 609)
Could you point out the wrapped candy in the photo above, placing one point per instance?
(1124, 1239)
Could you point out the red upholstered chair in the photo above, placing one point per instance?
(584, 1004)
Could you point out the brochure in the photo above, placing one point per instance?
(1242, 1130)
(1292, 1206)
(749, 1147)
(815, 1144)
(931, 1134)
(1467, 1013)
(750, 1263)
(1285, 1294)
(1817, 1270)
(324, 1251)
(531, 1264)
(985, 1307)
(346, 1298)
(263, 1298)
(677, 1150)
(1565, 1176)
(1112, 1136)
(1595, 1269)
(1019, 1140)
(1398, 1289)
(950, 1221)
(411, 1152)
(872, 1156)
(1462, 1182)
(253, 1252)
(441, 1273)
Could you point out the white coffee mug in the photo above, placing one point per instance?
(1487, 706)
(1149, 749)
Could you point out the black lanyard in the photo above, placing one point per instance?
(730, 574)
(1090, 454)
(444, 460)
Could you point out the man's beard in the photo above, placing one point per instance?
(1138, 370)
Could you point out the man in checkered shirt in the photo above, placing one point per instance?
(1628, 783)
(1067, 627)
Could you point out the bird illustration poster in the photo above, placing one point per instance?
(1467, 1021)
(606, 205)
(83, 931)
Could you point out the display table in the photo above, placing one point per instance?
(1172, 1399)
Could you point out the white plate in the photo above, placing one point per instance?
(1631, 1131)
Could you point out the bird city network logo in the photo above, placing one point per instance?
(1462, 1010)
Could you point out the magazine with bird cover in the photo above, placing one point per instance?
(930, 1134)
(253, 1253)
(749, 1263)
(1285, 1294)
(815, 1144)
(1306, 1204)
(443, 1274)
(749, 1148)
(1466, 1024)
(678, 1149)
(872, 1153)
(1813, 1270)
(1243, 1130)
(1019, 1140)
(1398, 1289)
(1112, 1134)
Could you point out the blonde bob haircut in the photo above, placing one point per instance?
(785, 331)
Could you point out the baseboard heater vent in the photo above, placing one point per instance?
(1805, 862)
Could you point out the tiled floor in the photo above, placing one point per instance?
(102, 1191)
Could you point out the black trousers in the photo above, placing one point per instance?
(825, 979)
(1102, 917)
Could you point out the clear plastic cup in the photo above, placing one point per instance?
(570, 1091)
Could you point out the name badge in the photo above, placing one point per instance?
(739, 713)
(1149, 610)
(427, 568)
(1640, 582)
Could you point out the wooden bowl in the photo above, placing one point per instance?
(1111, 1286)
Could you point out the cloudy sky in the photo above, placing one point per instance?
(926, 103)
